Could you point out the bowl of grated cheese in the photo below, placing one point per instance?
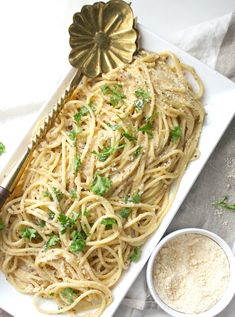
(192, 272)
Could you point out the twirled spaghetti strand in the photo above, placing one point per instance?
(100, 183)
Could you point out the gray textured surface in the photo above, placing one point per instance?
(4, 314)
(225, 62)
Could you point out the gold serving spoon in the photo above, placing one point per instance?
(103, 36)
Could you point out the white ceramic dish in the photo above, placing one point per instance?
(230, 291)
(219, 101)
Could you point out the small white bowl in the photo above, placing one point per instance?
(229, 292)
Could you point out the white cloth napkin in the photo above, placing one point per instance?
(204, 42)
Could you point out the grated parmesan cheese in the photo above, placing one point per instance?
(191, 273)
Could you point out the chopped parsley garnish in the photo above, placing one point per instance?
(69, 294)
(224, 204)
(114, 127)
(136, 254)
(86, 212)
(2, 148)
(141, 93)
(66, 222)
(47, 194)
(2, 224)
(58, 194)
(105, 89)
(124, 213)
(129, 136)
(51, 215)
(147, 127)
(41, 223)
(72, 135)
(137, 152)
(176, 134)
(139, 104)
(92, 105)
(73, 193)
(78, 241)
(116, 98)
(107, 151)
(52, 241)
(143, 98)
(136, 199)
(115, 92)
(109, 222)
(28, 233)
(101, 185)
(77, 164)
(78, 116)
(121, 146)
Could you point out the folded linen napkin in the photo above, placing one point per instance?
(213, 42)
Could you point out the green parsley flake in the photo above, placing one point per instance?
(47, 194)
(77, 164)
(86, 212)
(129, 136)
(109, 222)
(224, 204)
(66, 222)
(124, 213)
(141, 93)
(139, 104)
(73, 193)
(121, 146)
(137, 152)
(2, 148)
(51, 215)
(78, 241)
(28, 233)
(104, 89)
(143, 98)
(176, 134)
(136, 199)
(147, 127)
(78, 116)
(92, 105)
(101, 185)
(136, 254)
(114, 127)
(41, 223)
(72, 135)
(2, 225)
(52, 241)
(69, 294)
(115, 92)
(58, 194)
(105, 153)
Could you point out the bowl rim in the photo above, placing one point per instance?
(229, 292)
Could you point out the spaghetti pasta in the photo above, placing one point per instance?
(101, 182)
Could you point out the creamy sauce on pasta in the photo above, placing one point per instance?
(99, 184)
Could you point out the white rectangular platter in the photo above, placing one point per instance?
(219, 102)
